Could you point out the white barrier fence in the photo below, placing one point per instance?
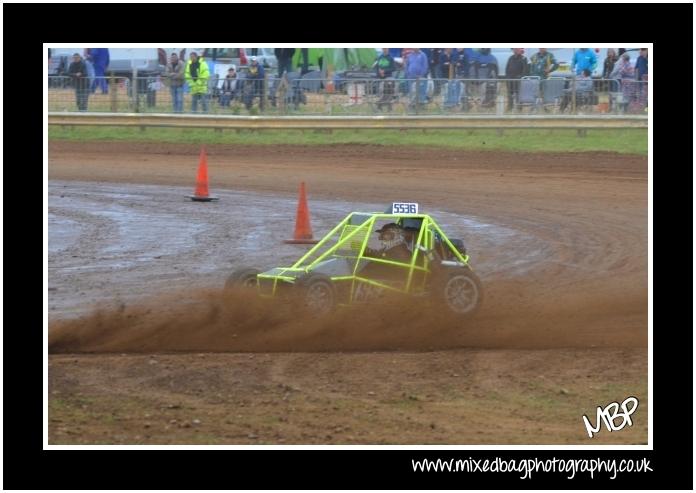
(347, 122)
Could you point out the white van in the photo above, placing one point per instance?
(240, 56)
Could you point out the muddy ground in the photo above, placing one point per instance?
(145, 348)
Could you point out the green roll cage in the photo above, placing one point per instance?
(349, 240)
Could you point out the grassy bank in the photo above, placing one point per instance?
(630, 141)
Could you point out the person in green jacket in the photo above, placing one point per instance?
(197, 75)
(543, 63)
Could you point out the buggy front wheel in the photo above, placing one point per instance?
(318, 293)
(460, 291)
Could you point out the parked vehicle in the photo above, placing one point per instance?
(240, 56)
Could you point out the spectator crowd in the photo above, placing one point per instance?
(416, 65)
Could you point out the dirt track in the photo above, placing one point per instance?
(560, 242)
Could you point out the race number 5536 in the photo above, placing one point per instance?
(404, 208)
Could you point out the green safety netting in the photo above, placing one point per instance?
(337, 59)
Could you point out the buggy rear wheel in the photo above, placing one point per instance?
(242, 278)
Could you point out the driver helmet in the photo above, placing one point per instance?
(390, 235)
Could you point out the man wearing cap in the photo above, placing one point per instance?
(78, 71)
(174, 73)
(197, 75)
(254, 83)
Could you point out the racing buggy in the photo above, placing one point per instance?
(352, 265)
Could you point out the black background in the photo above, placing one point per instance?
(27, 26)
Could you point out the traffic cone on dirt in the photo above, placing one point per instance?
(303, 230)
(201, 193)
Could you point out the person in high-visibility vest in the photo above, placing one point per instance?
(197, 75)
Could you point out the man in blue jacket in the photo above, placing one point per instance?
(449, 61)
(417, 68)
(416, 65)
(642, 64)
(100, 59)
(584, 59)
(464, 59)
(641, 70)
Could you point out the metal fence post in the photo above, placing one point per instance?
(264, 97)
(572, 101)
(280, 93)
(417, 93)
(404, 106)
(113, 87)
(134, 90)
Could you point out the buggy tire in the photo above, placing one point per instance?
(318, 293)
(458, 290)
(242, 278)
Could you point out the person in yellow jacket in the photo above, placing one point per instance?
(197, 75)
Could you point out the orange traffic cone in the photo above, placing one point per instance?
(201, 193)
(303, 230)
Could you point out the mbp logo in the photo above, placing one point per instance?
(609, 415)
